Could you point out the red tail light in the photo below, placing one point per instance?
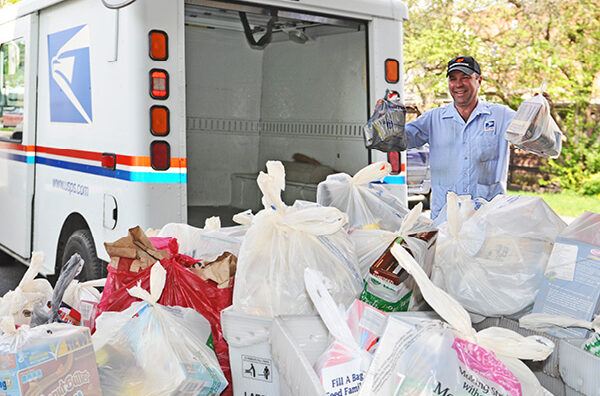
(160, 155)
(159, 84)
(394, 160)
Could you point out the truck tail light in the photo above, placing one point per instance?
(392, 71)
(394, 160)
(159, 84)
(160, 155)
(159, 120)
(159, 49)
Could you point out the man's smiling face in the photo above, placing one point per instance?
(464, 88)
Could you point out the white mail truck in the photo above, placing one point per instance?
(117, 113)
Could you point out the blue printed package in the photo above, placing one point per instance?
(572, 284)
(54, 359)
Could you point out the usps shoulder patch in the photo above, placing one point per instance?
(489, 126)
(70, 82)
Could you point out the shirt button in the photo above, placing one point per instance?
(465, 173)
(466, 157)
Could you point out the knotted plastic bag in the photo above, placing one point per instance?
(152, 349)
(284, 240)
(434, 357)
(533, 129)
(387, 286)
(492, 260)
(385, 129)
(367, 204)
(19, 303)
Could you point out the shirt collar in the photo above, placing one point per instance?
(481, 108)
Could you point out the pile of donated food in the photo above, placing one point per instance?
(351, 295)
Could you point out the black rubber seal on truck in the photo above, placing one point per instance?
(266, 38)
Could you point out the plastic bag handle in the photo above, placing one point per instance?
(441, 302)
(37, 259)
(411, 218)
(544, 86)
(158, 277)
(542, 321)
(452, 213)
(212, 223)
(244, 218)
(271, 184)
(316, 221)
(372, 172)
(331, 315)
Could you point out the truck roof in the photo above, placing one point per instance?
(361, 9)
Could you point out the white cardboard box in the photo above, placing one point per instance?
(249, 338)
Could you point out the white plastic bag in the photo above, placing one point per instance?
(281, 242)
(368, 205)
(533, 129)
(19, 302)
(388, 293)
(207, 243)
(492, 260)
(432, 357)
(151, 349)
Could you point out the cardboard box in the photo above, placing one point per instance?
(56, 359)
(253, 369)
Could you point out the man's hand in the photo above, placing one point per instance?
(547, 97)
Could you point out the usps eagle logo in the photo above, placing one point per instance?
(70, 82)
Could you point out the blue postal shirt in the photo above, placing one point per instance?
(465, 157)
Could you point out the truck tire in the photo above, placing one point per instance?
(81, 242)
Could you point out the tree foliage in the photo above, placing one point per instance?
(519, 43)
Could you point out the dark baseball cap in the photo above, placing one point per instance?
(465, 64)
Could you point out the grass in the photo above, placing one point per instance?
(566, 203)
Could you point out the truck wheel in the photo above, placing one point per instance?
(81, 242)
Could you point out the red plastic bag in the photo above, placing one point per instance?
(182, 288)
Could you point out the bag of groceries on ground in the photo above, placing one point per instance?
(186, 286)
(385, 129)
(368, 204)
(387, 286)
(432, 357)
(355, 335)
(153, 349)
(533, 129)
(284, 240)
(492, 260)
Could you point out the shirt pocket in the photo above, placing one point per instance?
(488, 155)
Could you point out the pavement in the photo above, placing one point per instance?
(11, 272)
